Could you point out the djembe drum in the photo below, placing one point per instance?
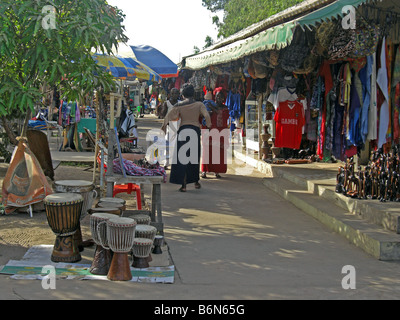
(141, 218)
(158, 242)
(103, 256)
(114, 211)
(113, 200)
(87, 190)
(106, 205)
(120, 237)
(141, 250)
(145, 231)
(63, 211)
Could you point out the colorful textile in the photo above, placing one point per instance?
(133, 169)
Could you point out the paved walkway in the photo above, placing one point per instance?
(236, 239)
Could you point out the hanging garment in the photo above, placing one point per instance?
(290, 120)
(365, 77)
(382, 81)
(373, 106)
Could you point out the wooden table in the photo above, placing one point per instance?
(154, 181)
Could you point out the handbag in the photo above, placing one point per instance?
(343, 43)
(366, 39)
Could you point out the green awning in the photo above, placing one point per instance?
(333, 10)
(274, 38)
(277, 37)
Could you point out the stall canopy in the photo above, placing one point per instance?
(156, 60)
(126, 68)
(275, 37)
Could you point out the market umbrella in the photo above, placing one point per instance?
(123, 69)
(156, 60)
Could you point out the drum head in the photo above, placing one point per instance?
(145, 228)
(119, 221)
(142, 241)
(63, 198)
(110, 205)
(74, 183)
(74, 186)
(115, 200)
(102, 216)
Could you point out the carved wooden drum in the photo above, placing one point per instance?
(63, 211)
(141, 251)
(87, 190)
(120, 237)
(102, 257)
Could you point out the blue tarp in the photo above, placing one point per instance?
(156, 60)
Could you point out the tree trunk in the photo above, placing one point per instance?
(8, 130)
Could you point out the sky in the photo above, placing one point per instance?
(173, 27)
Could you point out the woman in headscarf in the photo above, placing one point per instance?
(212, 146)
(185, 168)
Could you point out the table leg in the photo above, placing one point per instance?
(156, 213)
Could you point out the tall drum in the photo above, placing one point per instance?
(120, 237)
(87, 190)
(103, 256)
(63, 212)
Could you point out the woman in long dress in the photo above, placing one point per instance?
(185, 168)
(211, 146)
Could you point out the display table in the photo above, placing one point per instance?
(154, 181)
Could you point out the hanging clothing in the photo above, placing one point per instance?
(382, 81)
(290, 119)
(373, 106)
(365, 78)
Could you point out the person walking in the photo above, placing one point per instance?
(212, 147)
(172, 127)
(185, 168)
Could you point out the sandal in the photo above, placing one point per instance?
(197, 185)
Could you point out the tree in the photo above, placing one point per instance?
(239, 14)
(49, 43)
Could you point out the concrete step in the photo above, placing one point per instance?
(323, 184)
(376, 241)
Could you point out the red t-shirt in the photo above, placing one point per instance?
(289, 118)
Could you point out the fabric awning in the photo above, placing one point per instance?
(274, 38)
(156, 60)
(333, 10)
(277, 37)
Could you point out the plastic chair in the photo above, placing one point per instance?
(125, 188)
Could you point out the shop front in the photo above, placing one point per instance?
(320, 89)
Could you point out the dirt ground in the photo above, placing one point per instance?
(18, 231)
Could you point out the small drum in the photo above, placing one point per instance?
(141, 219)
(63, 211)
(113, 200)
(158, 242)
(120, 237)
(145, 231)
(141, 251)
(114, 211)
(102, 257)
(120, 206)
